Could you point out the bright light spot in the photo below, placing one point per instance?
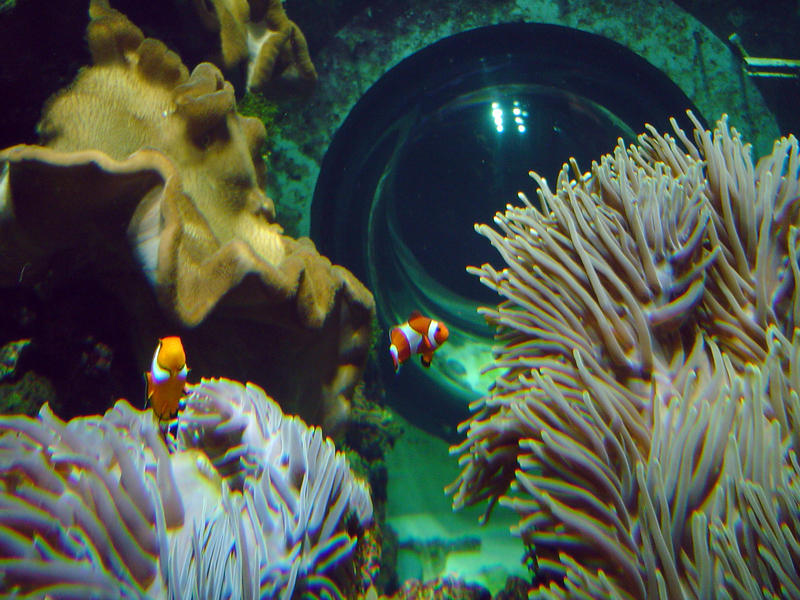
(517, 110)
(497, 116)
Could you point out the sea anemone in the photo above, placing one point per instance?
(644, 421)
(242, 502)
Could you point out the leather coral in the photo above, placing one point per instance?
(644, 418)
(259, 34)
(244, 502)
(147, 168)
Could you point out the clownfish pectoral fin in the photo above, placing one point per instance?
(425, 345)
(148, 389)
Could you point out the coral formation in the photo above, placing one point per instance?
(645, 419)
(146, 167)
(245, 502)
(260, 34)
(25, 395)
(433, 552)
(21, 392)
(442, 588)
(9, 357)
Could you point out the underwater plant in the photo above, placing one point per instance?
(644, 422)
(243, 502)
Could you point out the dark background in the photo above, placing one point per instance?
(42, 45)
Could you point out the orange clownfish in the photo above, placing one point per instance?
(167, 377)
(418, 335)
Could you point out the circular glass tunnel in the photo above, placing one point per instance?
(444, 140)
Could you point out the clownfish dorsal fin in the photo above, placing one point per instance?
(414, 314)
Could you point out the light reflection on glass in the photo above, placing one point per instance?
(519, 112)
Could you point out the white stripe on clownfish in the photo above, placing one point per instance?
(414, 338)
(161, 375)
(432, 329)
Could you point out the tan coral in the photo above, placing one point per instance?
(138, 144)
(260, 33)
(140, 94)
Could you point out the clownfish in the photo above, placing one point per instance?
(167, 377)
(418, 335)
